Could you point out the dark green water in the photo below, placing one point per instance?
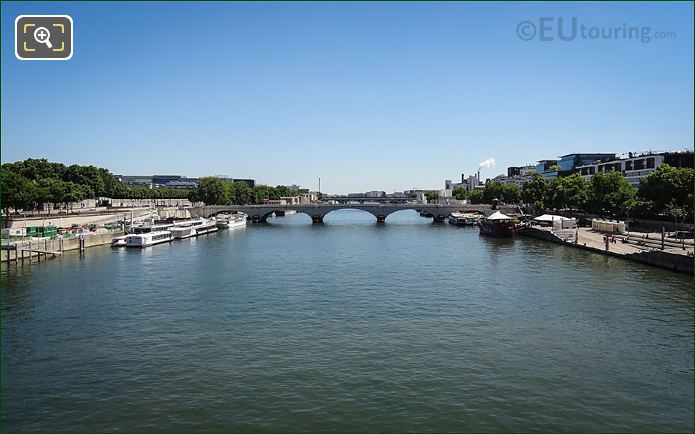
(346, 326)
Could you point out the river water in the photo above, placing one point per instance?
(346, 326)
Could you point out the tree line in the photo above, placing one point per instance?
(216, 191)
(31, 183)
(666, 193)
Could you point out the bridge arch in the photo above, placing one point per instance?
(377, 216)
(263, 217)
(420, 219)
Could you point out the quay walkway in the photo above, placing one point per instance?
(676, 255)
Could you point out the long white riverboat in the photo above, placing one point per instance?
(147, 239)
(463, 218)
(147, 228)
(192, 228)
(234, 221)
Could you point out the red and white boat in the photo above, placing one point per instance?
(497, 225)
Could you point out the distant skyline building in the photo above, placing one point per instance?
(635, 167)
(638, 166)
(173, 181)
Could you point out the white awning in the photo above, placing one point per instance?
(498, 216)
(551, 218)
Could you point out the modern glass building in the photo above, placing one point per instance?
(568, 163)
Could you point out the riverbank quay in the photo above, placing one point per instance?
(91, 217)
(645, 248)
(39, 250)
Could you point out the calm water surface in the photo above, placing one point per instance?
(350, 326)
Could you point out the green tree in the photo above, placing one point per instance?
(477, 196)
(88, 176)
(535, 191)
(74, 192)
(511, 193)
(493, 190)
(51, 190)
(573, 192)
(553, 196)
(36, 169)
(611, 193)
(432, 196)
(241, 194)
(18, 192)
(459, 193)
(214, 191)
(667, 187)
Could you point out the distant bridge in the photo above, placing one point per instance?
(363, 199)
(317, 211)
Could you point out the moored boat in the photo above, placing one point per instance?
(147, 239)
(192, 228)
(179, 232)
(457, 218)
(463, 218)
(204, 227)
(497, 225)
(119, 241)
(147, 228)
(234, 221)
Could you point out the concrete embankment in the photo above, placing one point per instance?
(40, 249)
(669, 260)
(109, 215)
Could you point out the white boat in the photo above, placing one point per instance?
(232, 222)
(192, 228)
(119, 241)
(180, 232)
(463, 218)
(205, 227)
(457, 218)
(147, 239)
(144, 229)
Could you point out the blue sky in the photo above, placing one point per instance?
(367, 96)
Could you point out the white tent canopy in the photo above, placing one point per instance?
(498, 216)
(551, 218)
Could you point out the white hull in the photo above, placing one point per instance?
(148, 239)
(229, 224)
(192, 228)
(206, 228)
(179, 233)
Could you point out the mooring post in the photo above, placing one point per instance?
(663, 236)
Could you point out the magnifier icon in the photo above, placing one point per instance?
(43, 36)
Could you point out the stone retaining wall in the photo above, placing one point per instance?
(657, 258)
(58, 245)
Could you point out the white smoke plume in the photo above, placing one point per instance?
(490, 162)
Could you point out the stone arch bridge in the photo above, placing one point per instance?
(317, 211)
